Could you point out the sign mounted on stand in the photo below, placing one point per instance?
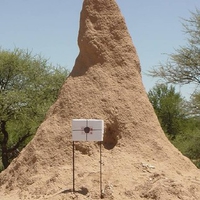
(87, 130)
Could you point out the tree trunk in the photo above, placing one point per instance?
(5, 159)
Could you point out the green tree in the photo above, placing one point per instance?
(28, 87)
(168, 106)
(178, 120)
(189, 142)
(183, 66)
(194, 105)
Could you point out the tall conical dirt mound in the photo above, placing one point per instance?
(105, 83)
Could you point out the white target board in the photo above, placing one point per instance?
(87, 130)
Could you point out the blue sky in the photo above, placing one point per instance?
(50, 28)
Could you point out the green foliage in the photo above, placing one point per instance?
(28, 87)
(168, 106)
(195, 104)
(1, 167)
(180, 126)
(189, 142)
(180, 120)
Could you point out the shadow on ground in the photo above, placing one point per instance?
(82, 191)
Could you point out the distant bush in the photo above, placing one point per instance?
(189, 145)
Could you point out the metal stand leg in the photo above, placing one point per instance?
(73, 170)
(101, 191)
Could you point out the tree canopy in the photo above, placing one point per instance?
(183, 66)
(168, 106)
(194, 104)
(28, 87)
(179, 118)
